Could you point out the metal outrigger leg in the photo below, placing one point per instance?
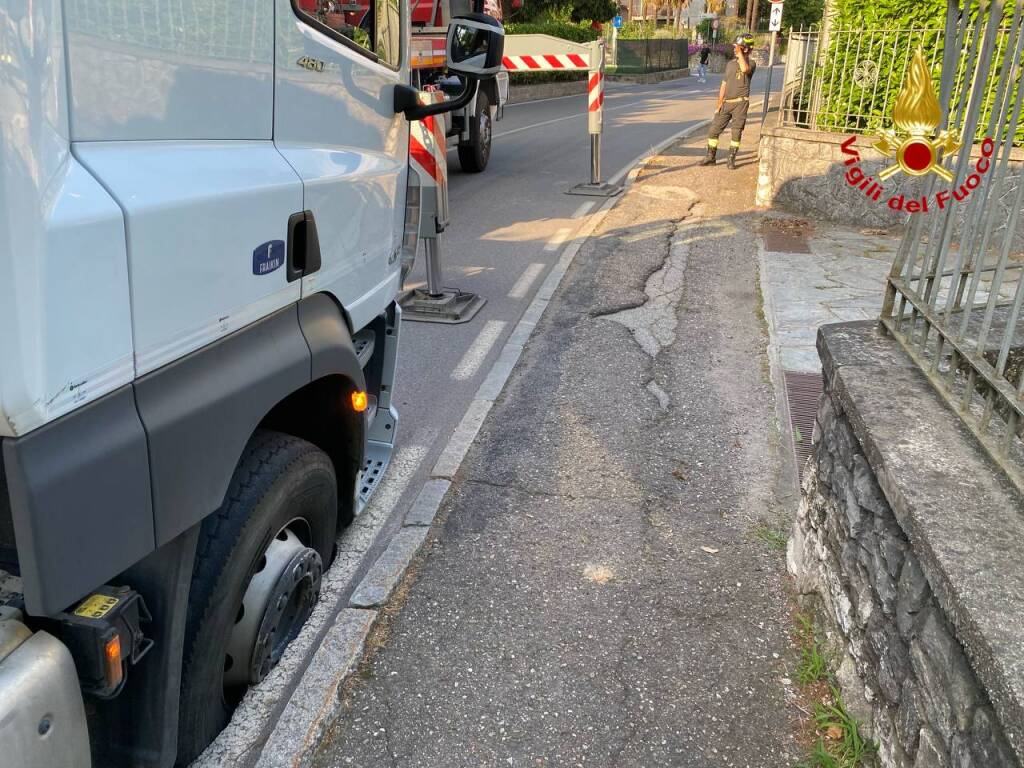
(428, 170)
(437, 304)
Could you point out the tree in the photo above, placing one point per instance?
(802, 13)
(593, 10)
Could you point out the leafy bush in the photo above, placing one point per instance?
(846, 105)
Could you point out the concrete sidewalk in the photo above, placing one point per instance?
(593, 592)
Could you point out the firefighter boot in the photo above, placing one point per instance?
(710, 158)
(732, 157)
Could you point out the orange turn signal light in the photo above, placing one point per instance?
(359, 401)
(112, 658)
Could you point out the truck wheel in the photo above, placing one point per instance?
(256, 578)
(473, 156)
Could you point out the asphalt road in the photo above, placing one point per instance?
(507, 228)
(595, 593)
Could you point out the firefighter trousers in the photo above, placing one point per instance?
(733, 114)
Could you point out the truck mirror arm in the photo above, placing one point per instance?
(407, 101)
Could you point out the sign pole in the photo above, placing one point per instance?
(774, 25)
(768, 85)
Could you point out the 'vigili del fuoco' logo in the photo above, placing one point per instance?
(916, 147)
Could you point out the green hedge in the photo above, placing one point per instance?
(865, 30)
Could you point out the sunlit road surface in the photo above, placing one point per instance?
(509, 225)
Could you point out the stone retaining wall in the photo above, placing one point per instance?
(903, 662)
(803, 170)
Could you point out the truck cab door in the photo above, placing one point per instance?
(337, 64)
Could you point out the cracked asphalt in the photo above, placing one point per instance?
(593, 593)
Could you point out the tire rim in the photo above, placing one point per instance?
(280, 597)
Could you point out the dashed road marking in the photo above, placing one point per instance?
(477, 352)
(522, 286)
(556, 240)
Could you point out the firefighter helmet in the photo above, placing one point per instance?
(744, 40)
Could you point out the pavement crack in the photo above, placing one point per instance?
(654, 322)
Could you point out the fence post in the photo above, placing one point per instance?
(595, 124)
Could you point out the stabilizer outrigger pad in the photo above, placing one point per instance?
(450, 306)
(603, 189)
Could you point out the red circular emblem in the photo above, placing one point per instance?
(918, 155)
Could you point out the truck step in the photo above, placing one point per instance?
(364, 343)
(378, 456)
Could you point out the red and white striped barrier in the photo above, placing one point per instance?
(522, 56)
(595, 91)
(428, 154)
(566, 61)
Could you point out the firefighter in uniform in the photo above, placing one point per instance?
(733, 100)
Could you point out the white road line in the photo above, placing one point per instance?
(556, 240)
(522, 286)
(574, 116)
(477, 352)
(583, 210)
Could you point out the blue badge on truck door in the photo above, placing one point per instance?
(267, 257)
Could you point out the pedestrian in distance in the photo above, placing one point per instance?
(733, 100)
(702, 66)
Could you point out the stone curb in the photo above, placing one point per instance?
(305, 717)
(427, 502)
(382, 578)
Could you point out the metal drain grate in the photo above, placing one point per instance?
(802, 393)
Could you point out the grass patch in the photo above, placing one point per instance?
(833, 735)
(774, 538)
(814, 660)
(839, 744)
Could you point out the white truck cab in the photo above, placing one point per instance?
(206, 213)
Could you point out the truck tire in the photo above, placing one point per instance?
(256, 578)
(473, 156)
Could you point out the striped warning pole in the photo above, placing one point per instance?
(595, 109)
(521, 56)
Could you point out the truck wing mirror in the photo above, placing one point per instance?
(476, 43)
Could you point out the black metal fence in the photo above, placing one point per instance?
(639, 56)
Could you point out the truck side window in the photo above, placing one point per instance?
(353, 19)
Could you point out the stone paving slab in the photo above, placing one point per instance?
(842, 279)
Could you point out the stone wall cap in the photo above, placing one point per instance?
(964, 519)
